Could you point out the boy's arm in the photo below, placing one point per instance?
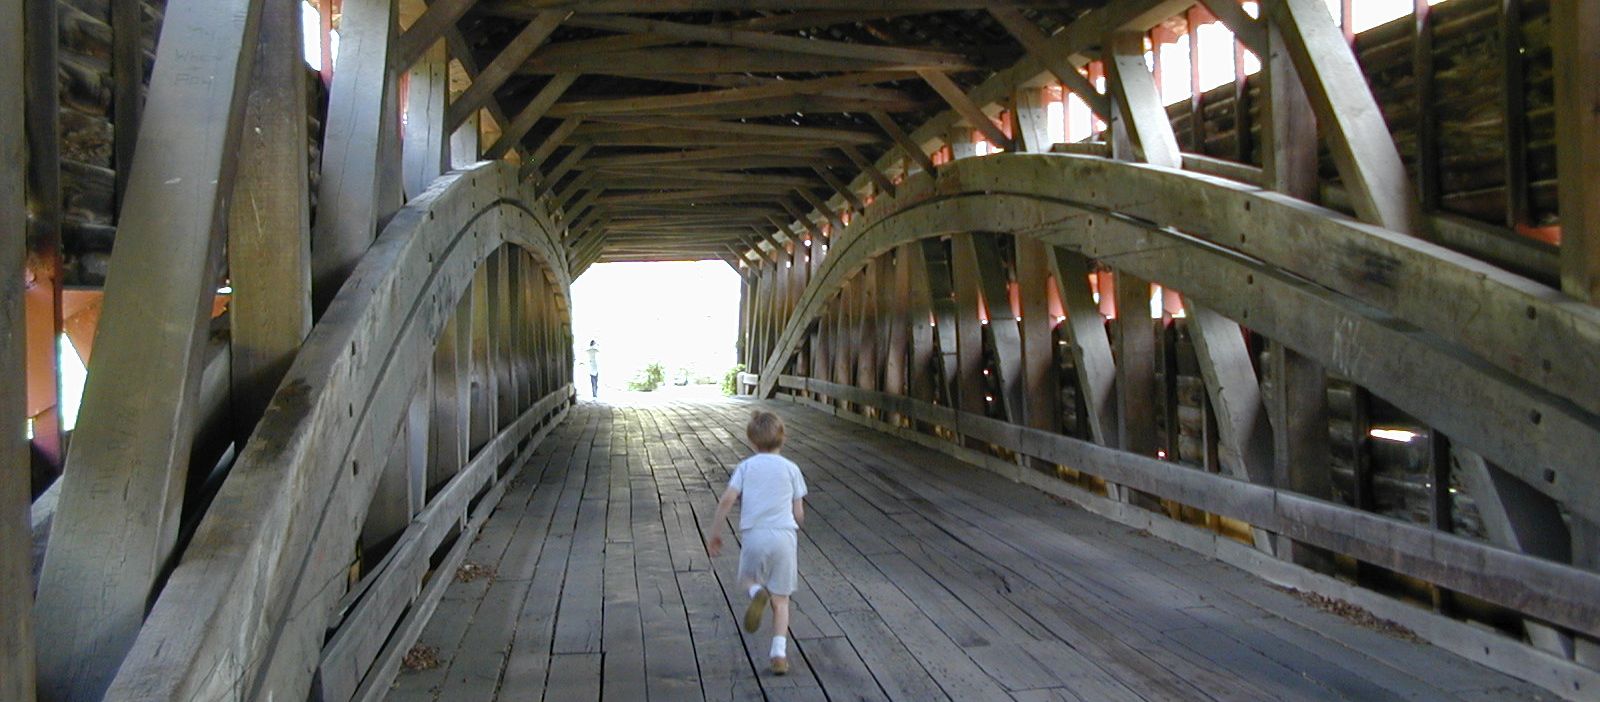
(799, 511)
(724, 505)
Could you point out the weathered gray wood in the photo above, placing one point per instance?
(1289, 144)
(428, 29)
(1146, 115)
(269, 221)
(530, 114)
(426, 150)
(494, 75)
(1577, 144)
(1299, 404)
(912, 149)
(1041, 385)
(350, 195)
(118, 520)
(968, 385)
(390, 324)
(1091, 347)
(1453, 561)
(1005, 329)
(1303, 317)
(892, 56)
(1038, 45)
(362, 646)
(1519, 518)
(965, 106)
(839, 187)
(1244, 435)
(1135, 350)
(127, 95)
(16, 552)
(1347, 114)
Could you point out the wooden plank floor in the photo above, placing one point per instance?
(922, 579)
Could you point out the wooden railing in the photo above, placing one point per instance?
(1540, 588)
(383, 615)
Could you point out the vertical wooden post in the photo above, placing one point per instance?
(1136, 366)
(1427, 163)
(1514, 110)
(936, 263)
(269, 238)
(325, 10)
(361, 124)
(1040, 381)
(1440, 512)
(1299, 404)
(964, 282)
(447, 451)
(127, 73)
(425, 153)
(118, 517)
(43, 291)
(866, 347)
(919, 308)
(897, 327)
(16, 553)
(1299, 399)
(482, 424)
(1573, 26)
(1197, 111)
(1289, 132)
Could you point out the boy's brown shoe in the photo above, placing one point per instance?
(780, 666)
(758, 605)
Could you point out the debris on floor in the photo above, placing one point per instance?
(1355, 614)
(421, 657)
(469, 572)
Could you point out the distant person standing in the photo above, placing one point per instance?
(594, 369)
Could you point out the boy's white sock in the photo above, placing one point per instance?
(780, 647)
(753, 590)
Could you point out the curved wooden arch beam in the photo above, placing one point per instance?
(246, 610)
(1308, 286)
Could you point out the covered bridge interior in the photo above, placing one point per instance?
(1137, 349)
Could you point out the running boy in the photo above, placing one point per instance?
(772, 510)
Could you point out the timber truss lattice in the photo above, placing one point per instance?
(308, 386)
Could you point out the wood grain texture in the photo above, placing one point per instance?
(922, 580)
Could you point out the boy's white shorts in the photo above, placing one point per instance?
(767, 556)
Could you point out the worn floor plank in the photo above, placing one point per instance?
(921, 579)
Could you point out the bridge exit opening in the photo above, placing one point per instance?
(663, 329)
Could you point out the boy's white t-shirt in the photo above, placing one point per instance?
(768, 484)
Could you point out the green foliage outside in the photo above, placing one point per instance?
(652, 377)
(730, 380)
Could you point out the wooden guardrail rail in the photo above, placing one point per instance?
(382, 617)
(1539, 588)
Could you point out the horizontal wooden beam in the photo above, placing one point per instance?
(872, 55)
(693, 61)
(690, 157)
(519, 8)
(658, 103)
(841, 136)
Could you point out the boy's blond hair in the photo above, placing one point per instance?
(765, 431)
